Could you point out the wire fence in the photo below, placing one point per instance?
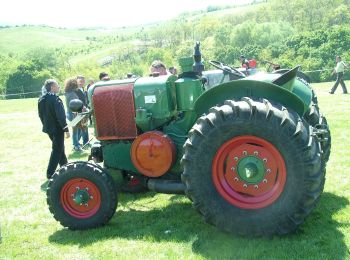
(21, 95)
(25, 94)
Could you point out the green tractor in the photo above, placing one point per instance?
(249, 152)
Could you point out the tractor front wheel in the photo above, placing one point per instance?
(82, 195)
(253, 168)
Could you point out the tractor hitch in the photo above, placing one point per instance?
(321, 132)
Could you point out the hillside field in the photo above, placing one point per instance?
(156, 226)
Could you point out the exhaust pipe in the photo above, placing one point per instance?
(166, 186)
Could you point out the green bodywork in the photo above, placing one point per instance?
(116, 155)
(173, 105)
(155, 101)
(187, 92)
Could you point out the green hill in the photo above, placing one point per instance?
(24, 38)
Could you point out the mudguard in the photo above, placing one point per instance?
(249, 88)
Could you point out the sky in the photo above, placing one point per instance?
(107, 13)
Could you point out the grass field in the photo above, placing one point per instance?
(49, 37)
(156, 226)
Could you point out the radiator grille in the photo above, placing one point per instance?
(114, 112)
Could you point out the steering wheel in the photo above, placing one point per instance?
(226, 68)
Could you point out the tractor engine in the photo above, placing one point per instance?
(140, 123)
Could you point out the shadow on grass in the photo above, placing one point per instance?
(318, 237)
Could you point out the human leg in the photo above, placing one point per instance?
(63, 160)
(75, 132)
(334, 88)
(85, 135)
(56, 153)
(76, 137)
(342, 83)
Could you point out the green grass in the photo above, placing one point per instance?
(153, 225)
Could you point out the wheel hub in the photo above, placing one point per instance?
(81, 196)
(249, 172)
(251, 169)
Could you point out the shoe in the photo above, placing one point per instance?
(44, 186)
(330, 92)
(345, 93)
(77, 149)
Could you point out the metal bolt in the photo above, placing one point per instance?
(91, 197)
(87, 189)
(77, 188)
(245, 186)
(233, 168)
(256, 187)
(245, 152)
(265, 180)
(265, 160)
(235, 158)
(268, 170)
(81, 196)
(236, 179)
(86, 205)
(81, 204)
(256, 153)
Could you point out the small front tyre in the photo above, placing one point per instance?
(81, 195)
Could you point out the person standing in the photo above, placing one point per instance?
(83, 131)
(52, 115)
(339, 70)
(91, 82)
(158, 68)
(71, 86)
(104, 76)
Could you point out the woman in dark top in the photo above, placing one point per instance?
(70, 93)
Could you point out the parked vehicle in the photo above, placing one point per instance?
(249, 152)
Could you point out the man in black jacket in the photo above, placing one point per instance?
(53, 118)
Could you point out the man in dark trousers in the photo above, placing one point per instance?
(339, 70)
(53, 118)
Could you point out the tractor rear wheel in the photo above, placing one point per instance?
(252, 168)
(82, 195)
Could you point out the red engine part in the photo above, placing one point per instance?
(252, 63)
(114, 112)
(153, 153)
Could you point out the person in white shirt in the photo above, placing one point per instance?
(339, 70)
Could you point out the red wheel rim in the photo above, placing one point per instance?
(236, 190)
(88, 207)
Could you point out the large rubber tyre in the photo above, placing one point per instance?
(316, 119)
(86, 179)
(299, 178)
